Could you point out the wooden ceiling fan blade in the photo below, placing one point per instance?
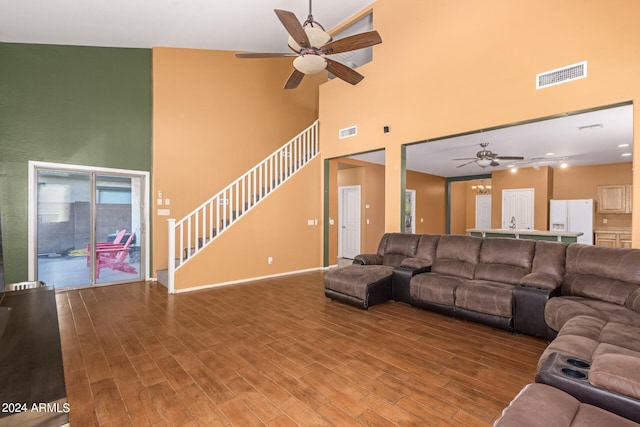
(293, 27)
(467, 163)
(509, 158)
(294, 80)
(343, 72)
(357, 41)
(264, 55)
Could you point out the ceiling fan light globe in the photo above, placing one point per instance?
(316, 35)
(484, 162)
(310, 64)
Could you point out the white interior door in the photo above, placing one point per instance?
(483, 211)
(517, 208)
(349, 221)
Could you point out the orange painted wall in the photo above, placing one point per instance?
(450, 67)
(277, 227)
(215, 117)
(430, 201)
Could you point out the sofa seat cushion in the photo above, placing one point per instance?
(579, 338)
(540, 405)
(619, 373)
(559, 310)
(434, 288)
(587, 338)
(353, 279)
(487, 297)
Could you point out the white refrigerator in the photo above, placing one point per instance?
(573, 215)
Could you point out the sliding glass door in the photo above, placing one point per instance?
(87, 225)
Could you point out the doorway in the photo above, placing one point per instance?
(410, 211)
(518, 208)
(87, 226)
(348, 221)
(483, 211)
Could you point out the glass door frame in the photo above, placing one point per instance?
(35, 166)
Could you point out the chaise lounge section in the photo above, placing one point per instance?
(368, 281)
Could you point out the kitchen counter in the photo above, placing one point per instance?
(556, 236)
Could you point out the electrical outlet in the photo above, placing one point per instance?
(604, 220)
(270, 260)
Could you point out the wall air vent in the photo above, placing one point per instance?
(347, 132)
(561, 75)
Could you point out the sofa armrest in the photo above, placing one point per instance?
(417, 264)
(619, 373)
(402, 281)
(541, 281)
(368, 259)
(528, 310)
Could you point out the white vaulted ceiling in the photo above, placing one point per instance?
(242, 25)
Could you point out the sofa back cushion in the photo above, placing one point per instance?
(425, 253)
(505, 260)
(457, 255)
(606, 274)
(399, 246)
(383, 243)
(633, 301)
(550, 259)
(547, 270)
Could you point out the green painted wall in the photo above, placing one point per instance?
(66, 104)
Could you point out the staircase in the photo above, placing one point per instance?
(194, 232)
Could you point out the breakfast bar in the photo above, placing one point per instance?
(555, 236)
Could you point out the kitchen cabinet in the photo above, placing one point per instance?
(624, 240)
(614, 198)
(613, 238)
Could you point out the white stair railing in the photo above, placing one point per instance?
(199, 228)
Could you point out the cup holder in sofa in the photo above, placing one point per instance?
(574, 373)
(578, 363)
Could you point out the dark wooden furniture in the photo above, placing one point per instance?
(32, 389)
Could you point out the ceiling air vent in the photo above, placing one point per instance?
(347, 132)
(561, 75)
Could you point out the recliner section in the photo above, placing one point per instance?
(463, 276)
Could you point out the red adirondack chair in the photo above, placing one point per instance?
(116, 241)
(114, 256)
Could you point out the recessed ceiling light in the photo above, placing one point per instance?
(550, 154)
(626, 154)
(622, 145)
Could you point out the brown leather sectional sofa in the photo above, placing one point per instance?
(501, 282)
(586, 299)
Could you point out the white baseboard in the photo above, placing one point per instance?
(247, 280)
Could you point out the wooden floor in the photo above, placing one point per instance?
(278, 353)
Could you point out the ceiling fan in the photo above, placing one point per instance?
(486, 158)
(310, 44)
